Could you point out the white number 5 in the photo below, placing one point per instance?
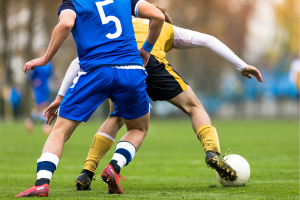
(106, 20)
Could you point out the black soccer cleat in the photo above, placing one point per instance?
(217, 162)
(83, 182)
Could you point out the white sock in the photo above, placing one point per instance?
(124, 153)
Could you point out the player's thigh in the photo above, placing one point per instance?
(64, 126)
(186, 101)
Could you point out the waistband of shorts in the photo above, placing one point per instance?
(117, 67)
(129, 67)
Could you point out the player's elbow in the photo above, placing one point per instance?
(67, 25)
(208, 39)
(157, 17)
(160, 17)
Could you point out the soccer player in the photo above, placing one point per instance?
(39, 80)
(112, 67)
(164, 84)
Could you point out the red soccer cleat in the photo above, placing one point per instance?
(110, 176)
(35, 191)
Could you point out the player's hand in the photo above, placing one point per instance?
(145, 55)
(50, 112)
(249, 71)
(30, 65)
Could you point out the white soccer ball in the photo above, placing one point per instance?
(242, 168)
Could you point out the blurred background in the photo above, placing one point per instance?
(264, 34)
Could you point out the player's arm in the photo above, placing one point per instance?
(50, 112)
(184, 39)
(71, 73)
(60, 33)
(146, 10)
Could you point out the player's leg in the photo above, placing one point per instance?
(132, 104)
(164, 83)
(126, 149)
(61, 132)
(188, 102)
(50, 157)
(30, 121)
(102, 142)
(79, 103)
(41, 96)
(40, 109)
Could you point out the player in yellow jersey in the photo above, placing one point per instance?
(163, 83)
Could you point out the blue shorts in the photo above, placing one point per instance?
(125, 85)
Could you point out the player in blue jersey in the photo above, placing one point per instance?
(39, 81)
(112, 67)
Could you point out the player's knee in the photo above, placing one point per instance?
(60, 134)
(145, 128)
(142, 127)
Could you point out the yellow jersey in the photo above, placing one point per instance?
(164, 43)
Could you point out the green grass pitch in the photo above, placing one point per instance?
(169, 165)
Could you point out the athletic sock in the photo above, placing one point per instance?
(214, 152)
(208, 137)
(123, 155)
(46, 165)
(89, 173)
(101, 144)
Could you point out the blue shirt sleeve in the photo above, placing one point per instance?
(135, 6)
(66, 4)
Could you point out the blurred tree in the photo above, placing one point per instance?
(287, 14)
(5, 71)
(26, 27)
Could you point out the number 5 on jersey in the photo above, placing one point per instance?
(106, 20)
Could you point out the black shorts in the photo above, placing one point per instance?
(163, 82)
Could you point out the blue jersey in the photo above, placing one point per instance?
(39, 78)
(41, 73)
(103, 32)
